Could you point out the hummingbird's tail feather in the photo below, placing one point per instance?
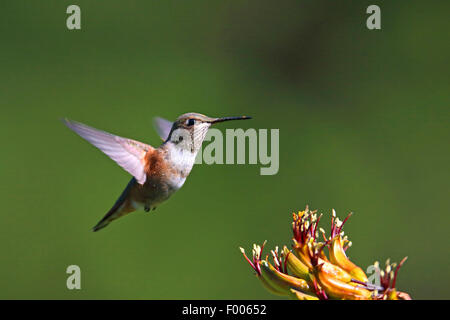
(122, 207)
(117, 211)
(102, 223)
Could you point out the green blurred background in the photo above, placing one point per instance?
(364, 127)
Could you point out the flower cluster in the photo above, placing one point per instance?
(307, 273)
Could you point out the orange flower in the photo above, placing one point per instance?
(314, 275)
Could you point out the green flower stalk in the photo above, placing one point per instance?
(307, 273)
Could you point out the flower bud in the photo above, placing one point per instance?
(295, 265)
(280, 281)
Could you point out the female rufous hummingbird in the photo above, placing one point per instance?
(157, 172)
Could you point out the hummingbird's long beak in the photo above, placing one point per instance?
(228, 119)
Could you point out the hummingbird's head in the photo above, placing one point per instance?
(189, 130)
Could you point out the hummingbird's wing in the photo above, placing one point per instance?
(163, 127)
(127, 153)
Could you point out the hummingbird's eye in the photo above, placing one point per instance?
(190, 122)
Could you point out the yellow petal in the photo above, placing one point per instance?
(298, 295)
(271, 288)
(337, 289)
(280, 281)
(298, 268)
(336, 272)
(339, 258)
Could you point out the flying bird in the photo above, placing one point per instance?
(157, 172)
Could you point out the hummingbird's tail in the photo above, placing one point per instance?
(100, 225)
(117, 211)
(122, 207)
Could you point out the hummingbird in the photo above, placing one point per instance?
(157, 172)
